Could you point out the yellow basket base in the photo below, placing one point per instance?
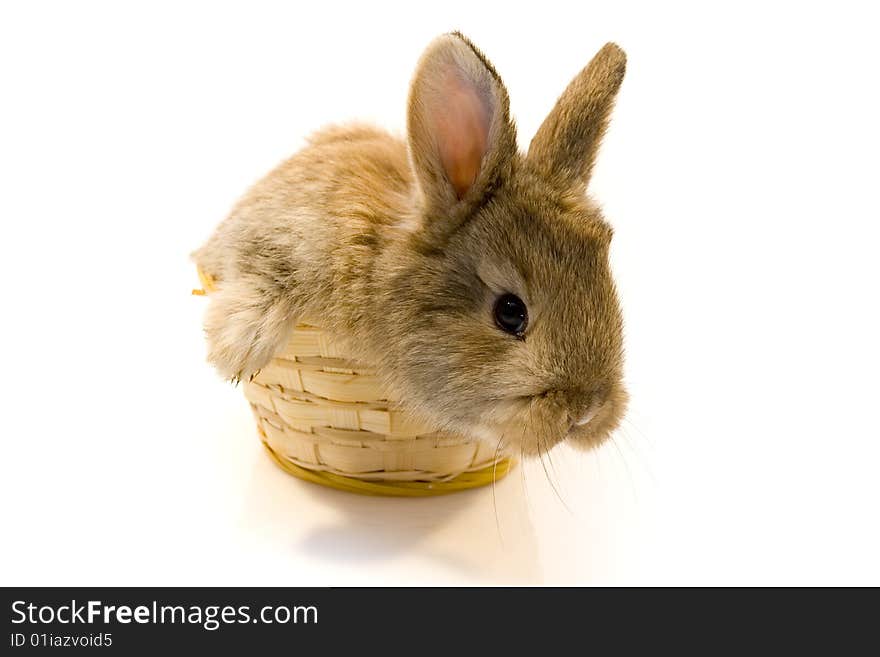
(463, 481)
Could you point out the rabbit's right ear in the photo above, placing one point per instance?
(461, 138)
(564, 148)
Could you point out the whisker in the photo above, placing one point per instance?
(522, 479)
(642, 434)
(598, 461)
(541, 444)
(494, 483)
(553, 466)
(643, 461)
(632, 483)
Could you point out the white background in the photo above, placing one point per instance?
(740, 173)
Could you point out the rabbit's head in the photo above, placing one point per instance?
(503, 318)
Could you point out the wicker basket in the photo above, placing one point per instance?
(324, 417)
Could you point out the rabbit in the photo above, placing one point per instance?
(474, 276)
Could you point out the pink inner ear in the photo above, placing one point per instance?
(461, 128)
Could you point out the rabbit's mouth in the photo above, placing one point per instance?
(594, 410)
(534, 425)
(529, 431)
(597, 426)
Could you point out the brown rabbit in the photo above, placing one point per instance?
(475, 276)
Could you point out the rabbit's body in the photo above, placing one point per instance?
(306, 244)
(474, 276)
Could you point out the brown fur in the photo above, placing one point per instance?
(402, 250)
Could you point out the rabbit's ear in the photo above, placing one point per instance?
(460, 134)
(564, 148)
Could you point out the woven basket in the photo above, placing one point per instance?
(324, 417)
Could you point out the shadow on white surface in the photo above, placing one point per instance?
(455, 538)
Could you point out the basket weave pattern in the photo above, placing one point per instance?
(318, 409)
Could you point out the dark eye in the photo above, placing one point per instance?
(511, 314)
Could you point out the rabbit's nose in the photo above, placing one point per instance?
(588, 415)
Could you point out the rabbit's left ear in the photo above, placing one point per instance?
(564, 148)
(460, 133)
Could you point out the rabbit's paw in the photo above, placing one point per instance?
(244, 330)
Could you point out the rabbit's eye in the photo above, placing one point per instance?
(511, 315)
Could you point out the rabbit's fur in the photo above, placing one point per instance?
(402, 248)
